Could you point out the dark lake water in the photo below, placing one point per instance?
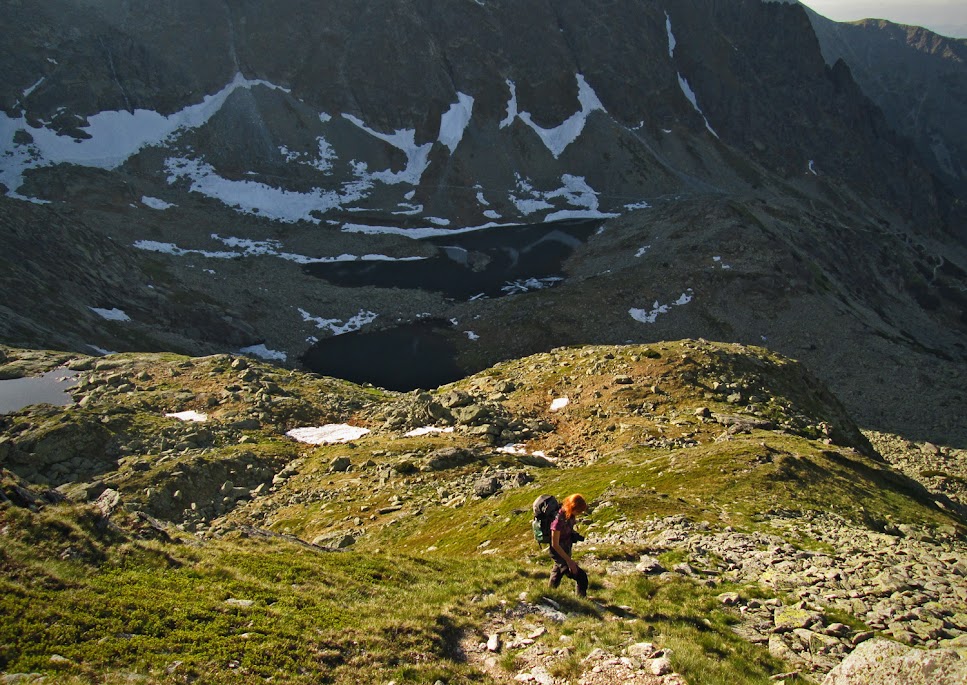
(493, 262)
(51, 388)
(416, 355)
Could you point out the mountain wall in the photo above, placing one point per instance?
(267, 178)
(475, 111)
(917, 78)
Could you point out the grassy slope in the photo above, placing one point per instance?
(123, 597)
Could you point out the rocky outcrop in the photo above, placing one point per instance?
(58, 451)
(77, 268)
(890, 663)
(909, 585)
(518, 629)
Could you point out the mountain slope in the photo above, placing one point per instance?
(711, 469)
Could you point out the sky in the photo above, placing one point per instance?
(948, 17)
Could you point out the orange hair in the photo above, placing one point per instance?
(574, 504)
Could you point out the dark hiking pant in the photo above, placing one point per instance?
(560, 570)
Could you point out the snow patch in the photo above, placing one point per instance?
(426, 430)
(454, 121)
(558, 138)
(637, 205)
(524, 285)
(31, 89)
(574, 190)
(650, 316)
(671, 36)
(260, 248)
(690, 95)
(559, 403)
(409, 210)
(252, 197)
(321, 162)
(520, 449)
(420, 232)
(114, 136)
(337, 326)
(263, 352)
(101, 351)
(417, 156)
(191, 415)
(328, 434)
(155, 203)
(110, 314)
(512, 111)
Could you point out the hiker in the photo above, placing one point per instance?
(563, 536)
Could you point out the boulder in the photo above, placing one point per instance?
(340, 464)
(890, 663)
(788, 618)
(405, 467)
(659, 667)
(455, 398)
(108, 501)
(780, 650)
(334, 540)
(474, 414)
(486, 486)
(641, 650)
(448, 458)
(649, 565)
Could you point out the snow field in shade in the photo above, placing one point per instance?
(114, 137)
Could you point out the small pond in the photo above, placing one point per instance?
(50, 388)
(416, 355)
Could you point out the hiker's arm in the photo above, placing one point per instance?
(556, 545)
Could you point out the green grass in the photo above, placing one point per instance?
(314, 617)
(740, 479)
(111, 604)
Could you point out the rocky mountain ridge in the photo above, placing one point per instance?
(916, 77)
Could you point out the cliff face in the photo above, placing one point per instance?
(917, 78)
(452, 98)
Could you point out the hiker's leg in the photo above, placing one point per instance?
(581, 578)
(558, 572)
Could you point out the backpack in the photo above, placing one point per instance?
(545, 508)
